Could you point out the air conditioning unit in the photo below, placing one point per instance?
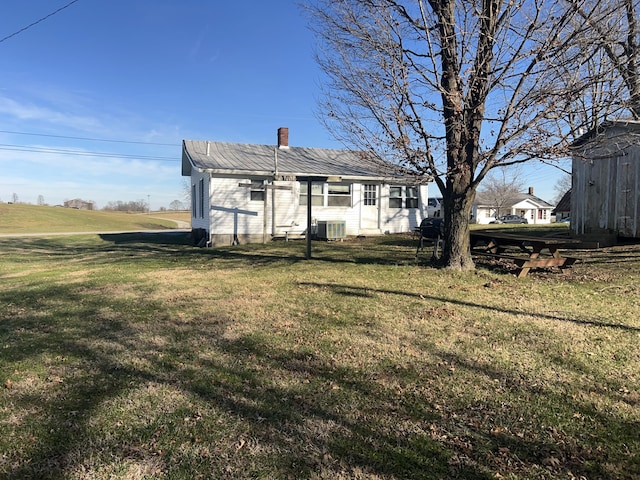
(331, 229)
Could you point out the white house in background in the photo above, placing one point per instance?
(527, 205)
(253, 193)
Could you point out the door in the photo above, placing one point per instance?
(370, 206)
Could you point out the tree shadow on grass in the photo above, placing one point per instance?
(173, 246)
(244, 405)
(95, 358)
(352, 290)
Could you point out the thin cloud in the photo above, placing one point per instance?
(36, 113)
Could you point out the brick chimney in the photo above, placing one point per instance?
(531, 191)
(283, 137)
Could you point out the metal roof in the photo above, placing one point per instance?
(622, 125)
(483, 200)
(266, 160)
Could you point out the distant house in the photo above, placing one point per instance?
(605, 194)
(252, 193)
(563, 208)
(527, 205)
(79, 204)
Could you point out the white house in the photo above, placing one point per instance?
(252, 193)
(527, 205)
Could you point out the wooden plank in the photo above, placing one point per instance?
(511, 237)
(497, 255)
(527, 263)
(544, 262)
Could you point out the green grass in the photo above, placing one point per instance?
(138, 356)
(29, 219)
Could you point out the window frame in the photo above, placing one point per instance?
(370, 194)
(395, 196)
(194, 201)
(257, 192)
(317, 199)
(201, 187)
(337, 197)
(412, 198)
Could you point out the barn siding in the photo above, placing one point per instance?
(606, 185)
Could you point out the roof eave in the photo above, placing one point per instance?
(270, 173)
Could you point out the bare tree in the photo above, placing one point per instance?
(610, 39)
(176, 205)
(186, 193)
(41, 200)
(449, 89)
(562, 186)
(499, 187)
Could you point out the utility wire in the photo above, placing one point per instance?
(37, 21)
(90, 139)
(20, 148)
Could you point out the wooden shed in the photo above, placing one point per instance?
(605, 193)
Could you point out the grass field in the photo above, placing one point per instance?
(29, 219)
(139, 356)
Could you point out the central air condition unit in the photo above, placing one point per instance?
(331, 229)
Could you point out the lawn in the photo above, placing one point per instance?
(29, 219)
(139, 356)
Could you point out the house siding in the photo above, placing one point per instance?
(399, 220)
(234, 217)
(199, 218)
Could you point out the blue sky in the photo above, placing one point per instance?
(145, 75)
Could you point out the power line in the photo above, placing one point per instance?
(38, 21)
(21, 148)
(90, 139)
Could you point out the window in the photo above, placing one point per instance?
(403, 196)
(395, 197)
(194, 203)
(257, 191)
(202, 198)
(317, 197)
(370, 194)
(412, 197)
(339, 195)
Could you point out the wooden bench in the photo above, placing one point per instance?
(288, 235)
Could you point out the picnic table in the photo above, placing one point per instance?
(535, 252)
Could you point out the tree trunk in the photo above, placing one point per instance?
(458, 205)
